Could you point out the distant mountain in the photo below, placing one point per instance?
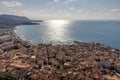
(14, 17)
(37, 20)
(13, 20)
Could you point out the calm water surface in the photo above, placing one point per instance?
(65, 32)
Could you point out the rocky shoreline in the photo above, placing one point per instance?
(81, 61)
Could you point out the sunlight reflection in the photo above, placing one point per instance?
(58, 29)
(59, 23)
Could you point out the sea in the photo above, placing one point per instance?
(66, 32)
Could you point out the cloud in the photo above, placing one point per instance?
(56, 0)
(59, 11)
(79, 11)
(115, 10)
(10, 4)
(32, 14)
(105, 14)
(77, 14)
(41, 14)
(72, 8)
(66, 1)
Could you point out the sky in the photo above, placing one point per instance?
(63, 9)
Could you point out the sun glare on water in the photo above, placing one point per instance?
(58, 29)
(59, 23)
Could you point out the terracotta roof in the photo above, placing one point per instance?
(13, 65)
(54, 61)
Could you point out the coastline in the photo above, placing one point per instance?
(18, 37)
(21, 59)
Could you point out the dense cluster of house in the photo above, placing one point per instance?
(81, 61)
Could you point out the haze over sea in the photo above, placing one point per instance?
(66, 32)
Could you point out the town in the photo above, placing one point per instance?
(79, 61)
